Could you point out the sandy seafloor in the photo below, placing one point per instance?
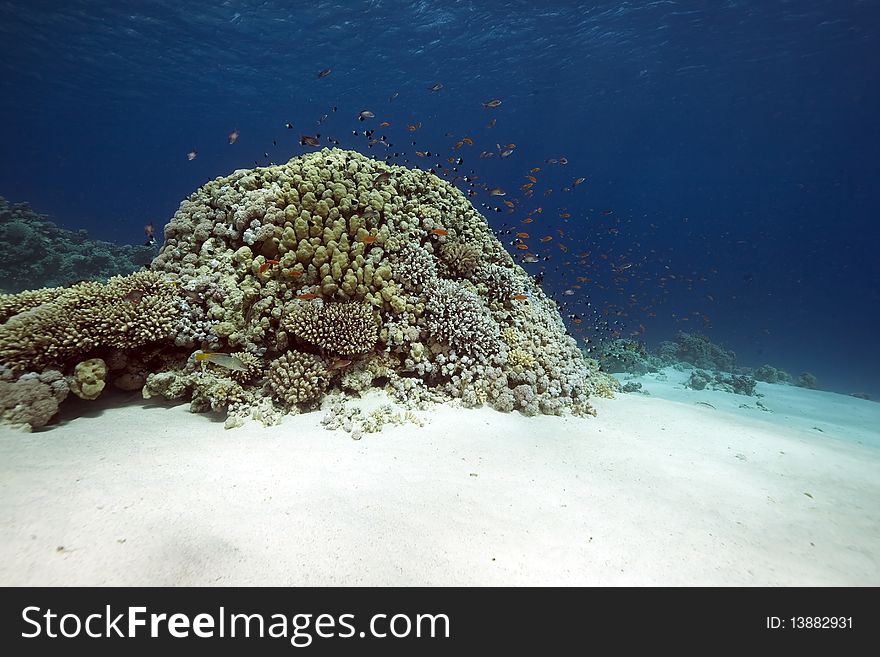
(657, 490)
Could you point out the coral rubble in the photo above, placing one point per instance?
(329, 272)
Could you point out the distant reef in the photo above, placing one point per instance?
(714, 366)
(50, 256)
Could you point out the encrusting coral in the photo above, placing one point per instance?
(332, 271)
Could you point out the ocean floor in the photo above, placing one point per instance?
(675, 487)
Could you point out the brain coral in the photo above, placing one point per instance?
(329, 267)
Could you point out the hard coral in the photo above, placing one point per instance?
(340, 328)
(296, 377)
(127, 312)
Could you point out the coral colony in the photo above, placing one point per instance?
(279, 285)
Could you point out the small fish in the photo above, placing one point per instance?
(232, 137)
(491, 104)
(266, 265)
(497, 191)
(365, 114)
(296, 273)
(509, 204)
(324, 72)
(308, 296)
(546, 238)
(523, 236)
(393, 96)
(577, 181)
(534, 169)
(382, 178)
(563, 161)
(565, 215)
(530, 257)
(531, 178)
(491, 123)
(412, 127)
(522, 247)
(322, 119)
(368, 239)
(519, 297)
(440, 232)
(384, 124)
(134, 296)
(467, 140)
(437, 86)
(527, 220)
(339, 364)
(306, 140)
(148, 231)
(193, 154)
(568, 293)
(506, 153)
(223, 360)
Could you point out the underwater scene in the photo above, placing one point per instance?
(440, 293)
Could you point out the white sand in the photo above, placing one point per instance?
(657, 490)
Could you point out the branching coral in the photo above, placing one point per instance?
(456, 317)
(340, 328)
(296, 378)
(127, 312)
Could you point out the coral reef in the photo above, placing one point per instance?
(770, 374)
(88, 378)
(329, 272)
(699, 351)
(53, 256)
(621, 355)
(807, 380)
(30, 401)
(127, 312)
(736, 383)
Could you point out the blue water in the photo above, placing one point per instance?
(734, 142)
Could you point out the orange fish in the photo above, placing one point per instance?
(523, 236)
(420, 153)
(532, 178)
(295, 273)
(519, 297)
(527, 220)
(442, 232)
(306, 297)
(522, 247)
(546, 238)
(368, 239)
(468, 141)
(266, 265)
(535, 169)
(565, 215)
(384, 124)
(412, 127)
(491, 124)
(509, 204)
(563, 248)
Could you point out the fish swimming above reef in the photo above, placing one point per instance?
(223, 360)
(193, 154)
(492, 104)
(324, 72)
(232, 137)
(365, 114)
(306, 140)
(150, 233)
(437, 86)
